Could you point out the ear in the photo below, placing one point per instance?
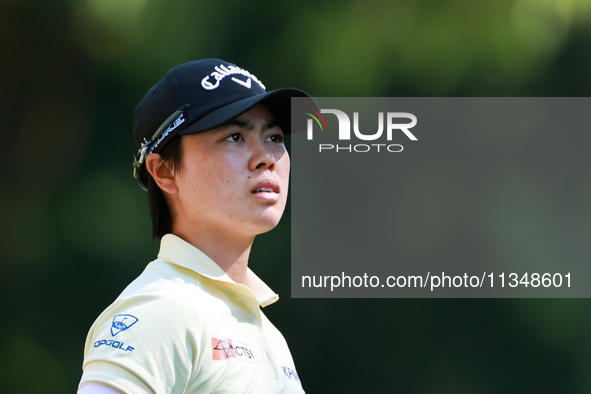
(162, 174)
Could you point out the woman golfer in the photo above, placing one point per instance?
(212, 158)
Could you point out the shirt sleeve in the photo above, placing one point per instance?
(97, 388)
(142, 345)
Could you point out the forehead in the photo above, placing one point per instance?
(259, 117)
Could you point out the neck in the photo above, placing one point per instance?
(229, 251)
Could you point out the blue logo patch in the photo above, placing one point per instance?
(122, 323)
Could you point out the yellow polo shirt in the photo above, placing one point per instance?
(183, 326)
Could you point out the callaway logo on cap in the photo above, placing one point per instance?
(222, 71)
(198, 96)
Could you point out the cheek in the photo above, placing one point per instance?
(216, 178)
(283, 168)
(200, 177)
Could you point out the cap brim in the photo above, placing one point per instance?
(278, 101)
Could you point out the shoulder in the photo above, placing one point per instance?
(152, 323)
(163, 293)
(163, 289)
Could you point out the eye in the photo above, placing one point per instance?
(235, 137)
(277, 138)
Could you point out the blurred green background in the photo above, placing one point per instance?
(75, 226)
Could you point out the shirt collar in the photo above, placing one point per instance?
(180, 252)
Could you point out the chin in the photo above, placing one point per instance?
(266, 222)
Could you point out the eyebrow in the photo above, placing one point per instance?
(249, 126)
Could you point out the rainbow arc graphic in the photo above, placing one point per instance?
(315, 117)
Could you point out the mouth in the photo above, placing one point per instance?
(264, 190)
(267, 189)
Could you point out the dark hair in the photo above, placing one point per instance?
(159, 211)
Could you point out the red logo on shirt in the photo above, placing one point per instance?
(225, 348)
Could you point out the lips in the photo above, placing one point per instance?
(267, 185)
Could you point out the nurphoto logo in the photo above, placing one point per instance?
(395, 122)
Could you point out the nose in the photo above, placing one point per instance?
(261, 156)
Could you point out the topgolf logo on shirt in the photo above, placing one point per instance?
(224, 349)
(395, 122)
(122, 323)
